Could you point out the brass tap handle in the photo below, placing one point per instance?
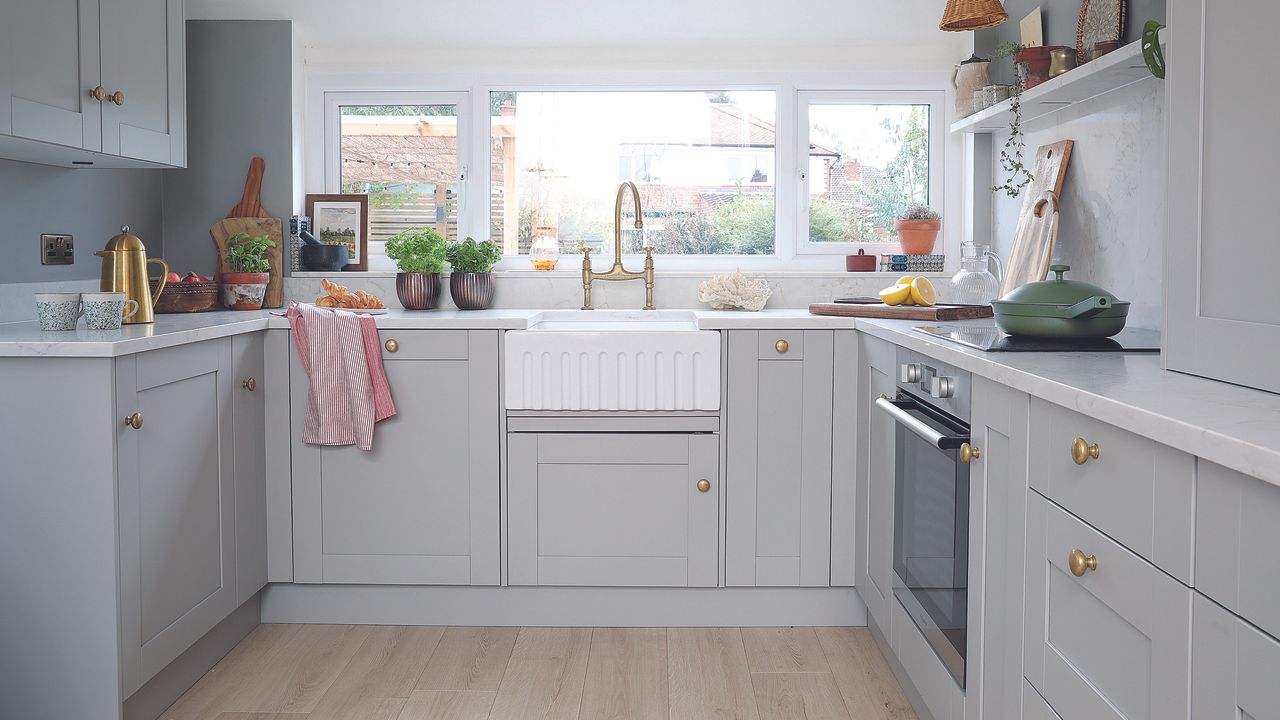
(969, 453)
(116, 97)
(391, 345)
(704, 485)
(1082, 452)
(1081, 563)
(251, 384)
(134, 421)
(99, 93)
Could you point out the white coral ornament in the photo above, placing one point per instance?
(729, 291)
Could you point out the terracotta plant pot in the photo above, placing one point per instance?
(471, 291)
(418, 291)
(1037, 61)
(918, 236)
(244, 291)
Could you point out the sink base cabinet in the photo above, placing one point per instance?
(616, 509)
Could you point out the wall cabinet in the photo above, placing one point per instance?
(875, 480)
(618, 509)
(1222, 146)
(422, 507)
(778, 411)
(54, 56)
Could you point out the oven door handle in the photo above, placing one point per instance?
(897, 409)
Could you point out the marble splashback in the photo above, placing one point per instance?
(17, 302)
(1113, 203)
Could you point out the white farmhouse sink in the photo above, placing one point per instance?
(613, 360)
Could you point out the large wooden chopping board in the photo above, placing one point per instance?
(249, 216)
(937, 313)
(1037, 232)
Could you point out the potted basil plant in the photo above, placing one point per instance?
(471, 276)
(420, 255)
(245, 284)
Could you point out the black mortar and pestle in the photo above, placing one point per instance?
(319, 257)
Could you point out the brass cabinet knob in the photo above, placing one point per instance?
(782, 346)
(99, 93)
(704, 485)
(969, 453)
(134, 421)
(1081, 563)
(1082, 451)
(250, 384)
(116, 97)
(391, 345)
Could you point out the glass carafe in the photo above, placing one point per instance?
(975, 284)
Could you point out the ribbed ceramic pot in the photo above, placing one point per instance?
(471, 291)
(418, 291)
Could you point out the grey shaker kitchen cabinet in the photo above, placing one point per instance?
(1222, 148)
(778, 411)
(176, 501)
(249, 464)
(423, 506)
(144, 57)
(1233, 666)
(875, 480)
(615, 509)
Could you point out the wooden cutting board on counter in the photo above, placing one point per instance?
(248, 216)
(937, 313)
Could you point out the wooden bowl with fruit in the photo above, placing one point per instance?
(187, 294)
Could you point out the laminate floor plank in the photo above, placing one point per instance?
(207, 699)
(708, 675)
(798, 696)
(544, 679)
(626, 675)
(448, 705)
(469, 659)
(381, 675)
(784, 650)
(867, 684)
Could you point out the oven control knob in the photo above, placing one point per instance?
(942, 387)
(910, 372)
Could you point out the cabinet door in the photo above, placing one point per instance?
(248, 410)
(1113, 644)
(1232, 667)
(144, 57)
(48, 66)
(778, 479)
(1222, 148)
(875, 480)
(176, 502)
(613, 510)
(422, 506)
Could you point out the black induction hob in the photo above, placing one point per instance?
(987, 337)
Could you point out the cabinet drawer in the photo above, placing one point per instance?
(1232, 666)
(781, 345)
(1136, 490)
(1111, 644)
(423, 344)
(1236, 541)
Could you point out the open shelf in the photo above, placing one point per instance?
(1112, 71)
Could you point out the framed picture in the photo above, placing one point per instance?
(342, 220)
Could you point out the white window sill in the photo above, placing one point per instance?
(577, 274)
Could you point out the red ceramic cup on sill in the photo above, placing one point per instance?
(862, 262)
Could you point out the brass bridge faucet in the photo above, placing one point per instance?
(617, 272)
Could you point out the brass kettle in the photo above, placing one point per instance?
(124, 269)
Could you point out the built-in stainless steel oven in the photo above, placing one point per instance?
(931, 502)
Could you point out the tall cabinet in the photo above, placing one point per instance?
(1222, 148)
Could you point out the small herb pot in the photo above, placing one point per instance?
(244, 291)
(471, 291)
(918, 236)
(418, 291)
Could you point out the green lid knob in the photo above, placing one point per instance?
(1059, 270)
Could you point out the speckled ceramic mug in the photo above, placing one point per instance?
(106, 310)
(58, 311)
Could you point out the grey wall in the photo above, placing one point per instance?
(239, 104)
(1060, 20)
(87, 203)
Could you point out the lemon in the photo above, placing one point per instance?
(896, 295)
(905, 280)
(922, 292)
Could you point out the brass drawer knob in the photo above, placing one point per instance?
(782, 346)
(704, 485)
(1081, 563)
(391, 345)
(250, 384)
(1082, 451)
(134, 421)
(969, 453)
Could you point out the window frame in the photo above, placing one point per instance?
(936, 102)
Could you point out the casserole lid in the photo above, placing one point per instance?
(1061, 298)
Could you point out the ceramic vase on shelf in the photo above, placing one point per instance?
(967, 77)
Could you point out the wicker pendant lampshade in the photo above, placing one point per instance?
(962, 15)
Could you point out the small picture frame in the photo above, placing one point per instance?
(342, 220)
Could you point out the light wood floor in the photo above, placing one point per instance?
(367, 672)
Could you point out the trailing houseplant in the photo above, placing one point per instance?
(471, 275)
(420, 256)
(244, 284)
(1012, 166)
(918, 228)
